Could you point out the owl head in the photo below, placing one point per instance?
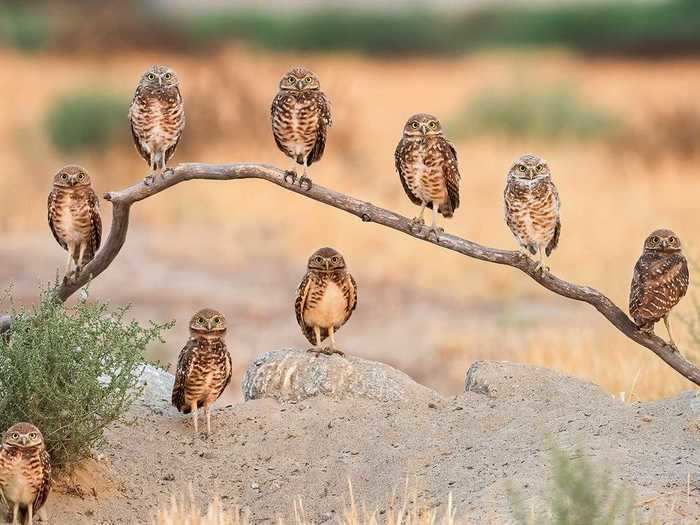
(208, 322)
(71, 177)
(158, 78)
(326, 260)
(23, 435)
(662, 241)
(299, 79)
(422, 124)
(529, 168)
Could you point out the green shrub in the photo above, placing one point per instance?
(579, 494)
(71, 371)
(24, 29)
(86, 120)
(551, 113)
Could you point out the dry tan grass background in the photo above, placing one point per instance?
(208, 238)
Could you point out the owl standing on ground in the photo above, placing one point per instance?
(25, 472)
(532, 207)
(660, 280)
(301, 117)
(157, 117)
(204, 366)
(74, 216)
(427, 165)
(326, 298)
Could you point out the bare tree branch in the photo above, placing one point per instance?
(123, 200)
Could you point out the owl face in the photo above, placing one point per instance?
(662, 241)
(208, 321)
(300, 79)
(326, 260)
(529, 168)
(422, 124)
(157, 78)
(71, 177)
(23, 435)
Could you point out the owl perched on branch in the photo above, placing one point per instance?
(660, 280)
(427, 165)
(25, 472)
(157, 117)
(74, 216)
(301, 116)
(204, 366)
(326, 298)
(532, 207)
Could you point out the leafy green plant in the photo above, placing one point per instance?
(86, 120)
(71, 371)
(551, 113)
(579, 494)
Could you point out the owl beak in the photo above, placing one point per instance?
(24, 440)
(328, 265)
(664, 243)
(300, 84)
(424, 128)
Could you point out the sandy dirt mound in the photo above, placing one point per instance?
(264, 453)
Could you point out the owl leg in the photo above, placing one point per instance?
(30, 514)
(151, 177)
(541, 266)
(304, 179)
(417, 222)
(207, 411)
(317, 347)
(70, 258)
(15, 514)
(671, 343)
(434, 229)
(291, 174)
(81, 256)
(333, 350)
(193, 409)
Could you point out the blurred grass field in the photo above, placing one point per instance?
(616, 185)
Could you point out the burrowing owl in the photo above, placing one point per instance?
(301, 117)
(325, 299)
(157, 117)
(25, 471)
(532, 207)
(660, 279)
(74, 216)
(427, 165)
(204, 366)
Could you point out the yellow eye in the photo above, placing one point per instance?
(291, 80)
(414, 125)
(168, 76)
(81, 176)
(540, 168)
(522, 168)
(15, 435)
(655, 239)
(217, 320)
(671, 240)
(200, 320)
(319, 259)
(309, 80)
(151, 76)
(336, 259)
(433, 125)
(64, 176)
(32, 435)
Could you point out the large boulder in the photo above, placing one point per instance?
(293, 375)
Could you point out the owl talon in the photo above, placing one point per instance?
(325, 351)
(416, 225)
(305, 180)
(148, 180)
(291, 175)
(435, 232)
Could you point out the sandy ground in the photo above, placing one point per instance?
(264, 455)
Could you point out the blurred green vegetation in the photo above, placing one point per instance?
(609, 26)
(86, 120)
(23, 29)
(550, 112)
(579, 493)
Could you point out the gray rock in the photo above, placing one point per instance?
(292, 375)
(157, 386)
